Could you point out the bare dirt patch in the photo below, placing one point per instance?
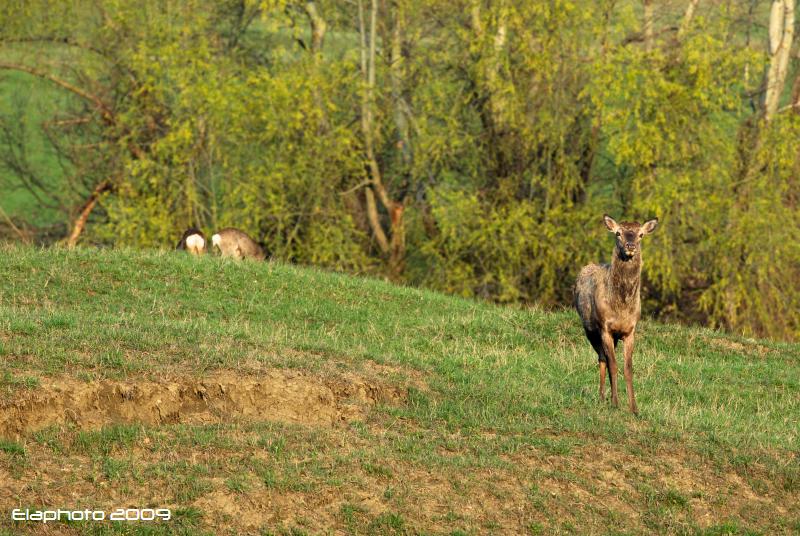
(276, 395)
(692, 489)
(752, 348)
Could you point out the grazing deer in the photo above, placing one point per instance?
(193, 241)
(608, 301)
(235, 243)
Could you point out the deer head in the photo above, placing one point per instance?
(629, 234)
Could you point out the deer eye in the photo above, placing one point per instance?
(618, 233)
(641, 235)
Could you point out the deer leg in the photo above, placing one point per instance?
(629, 373)
(597, 344)
(602, 380)
(611, 358)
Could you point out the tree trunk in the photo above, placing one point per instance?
(497, 107)
(318, 30)
(649, 34)
(318, 27)
(688, 15)
(374, 220)
(397, 76)
(781, 33)
(394, 247)
(397, 255)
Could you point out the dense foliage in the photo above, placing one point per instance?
(466, 146)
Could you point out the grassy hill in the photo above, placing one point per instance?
(260, 398)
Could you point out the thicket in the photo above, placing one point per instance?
(466, 146)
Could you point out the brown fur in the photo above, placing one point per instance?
(607, 298)
(235, 243)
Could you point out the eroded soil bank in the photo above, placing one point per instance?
(275, 395)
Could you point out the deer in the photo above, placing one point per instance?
(237, 244)
(193, 241)
(608, 301)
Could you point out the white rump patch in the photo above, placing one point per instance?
(195, 242)
(216, 239)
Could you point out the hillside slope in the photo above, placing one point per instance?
(271, 399)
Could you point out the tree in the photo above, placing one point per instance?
(468, 147)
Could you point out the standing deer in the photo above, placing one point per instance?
(193, 241)
(235, 243)
(608, 301)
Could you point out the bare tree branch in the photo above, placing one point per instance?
(80, 221)
(23, 236)
(105, 111)
(97, 101)
(67, 41)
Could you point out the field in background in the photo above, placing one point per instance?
(264, 398)
(29, 102)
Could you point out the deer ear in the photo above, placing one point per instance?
(612, 225)
(649, 226)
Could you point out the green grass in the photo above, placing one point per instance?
(12, 448)
(511, 370)
(506, 409)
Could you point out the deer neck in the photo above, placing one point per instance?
(624, 277)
